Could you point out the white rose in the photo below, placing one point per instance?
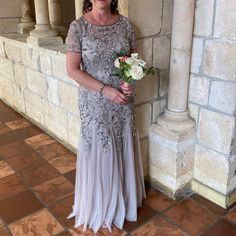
(142, 63)
(129, 61)
(134, 55)
(136, 72)
(117, 63)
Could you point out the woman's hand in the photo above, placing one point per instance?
(127, 88)
(115, 95)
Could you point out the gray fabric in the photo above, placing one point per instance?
(109, 174)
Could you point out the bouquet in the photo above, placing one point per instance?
(132, 68)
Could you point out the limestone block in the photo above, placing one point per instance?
(219, 59)
(204, 17)
(199, 90)
(137, 14)
(158, 108)
(164, 83)
(45, 63)
(144, 152)
(171, 157)
(225, 19)
(59, 68)
(161, 52)
(167, 17)
(55, 120)
(8, 25)
(36, 82)
(6, 68)
(193, 111)
(143, 119)
(73, 129)
(30, 57)
(212, 131)
(232, 176)
(211, 168)
(19, 103)
(68, 96)
(197, 53)
(13, 52)
(145, 50)
(146, 89)
(6, 91)
(33, 106)
(223, 96)
(52, 85)
(20, 74)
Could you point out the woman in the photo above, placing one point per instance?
(109, 176)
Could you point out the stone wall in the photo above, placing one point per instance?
(153, 32)
(212, 94)
(34, 82)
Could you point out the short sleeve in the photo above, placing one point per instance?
(74, 37)
(132, 36)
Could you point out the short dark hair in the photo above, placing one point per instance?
(87, 6)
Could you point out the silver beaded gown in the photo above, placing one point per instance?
(109, 182)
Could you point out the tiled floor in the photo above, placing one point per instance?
(37, 177)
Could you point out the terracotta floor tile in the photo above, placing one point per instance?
(102, 232)
(62, 208)
(39, 174)
(40, 223)
(65, 233)
(145, 213)
(11, 185)
(25, 161)
(1, 225)
(7, 138)
(71, 176)
(9, 115)
(64, 163)
(221, 228)
(4, 232)
(5, 169)
(28, 132)
(210, 205)
(191, 216)
(17, 124)
(39, 140)
(14, 148)
(4, 129)
(159, 226)
(52, 151)
(231, 216)
(54, 189)
(19, 206)
(158, 200)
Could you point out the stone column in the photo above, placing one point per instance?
(123, 7)
(43, 34)
(172, 139)
(26, 23)
(55, 15)
(78, 8)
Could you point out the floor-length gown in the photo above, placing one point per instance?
(109, 182)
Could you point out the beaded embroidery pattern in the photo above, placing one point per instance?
(97, 44)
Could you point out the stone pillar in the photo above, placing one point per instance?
(172, 139)
(78, 8)
(55, 15)
(123, 7)
(26, 23)
(43, 34)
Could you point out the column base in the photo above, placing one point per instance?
(172, 151)
(25, 27)
(44, 41)
(218, 198)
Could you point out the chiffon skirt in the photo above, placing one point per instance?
(109, 186)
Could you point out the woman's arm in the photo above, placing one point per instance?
(73, 61)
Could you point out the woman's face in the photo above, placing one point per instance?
(101, 4)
